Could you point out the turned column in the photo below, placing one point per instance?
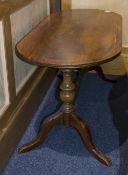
(67, 92)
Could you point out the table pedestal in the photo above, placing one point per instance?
(66, 115)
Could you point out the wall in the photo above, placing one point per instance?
(22, 22)
(4, 95)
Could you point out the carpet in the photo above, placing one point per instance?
(104, 106)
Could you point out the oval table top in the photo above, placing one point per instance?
(75, 38)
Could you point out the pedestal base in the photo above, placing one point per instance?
(74, 120)
(67, 116)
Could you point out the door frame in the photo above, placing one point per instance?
(66, 4)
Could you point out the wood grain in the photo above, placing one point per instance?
(75, 38)
(7, 7)
(66, 4)
(66, 115)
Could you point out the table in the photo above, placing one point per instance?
(67, 41)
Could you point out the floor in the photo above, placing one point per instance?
(105, 107)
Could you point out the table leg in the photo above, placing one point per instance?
(83, 129)
(47, 125)
(99, 71)
(67, 116)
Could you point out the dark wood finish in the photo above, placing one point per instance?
(47, 125)
(70, 40)
(66, 4)
(73, 120)
(77, 38)
(8, 7)
(99, 71)
(67, 116)
(81, 126)
(18, 115)
(55, 6)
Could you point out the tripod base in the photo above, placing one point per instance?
(74, 120)
(66, 116)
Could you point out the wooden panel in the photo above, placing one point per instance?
(22, 22)
(9, 6)
(66, 4)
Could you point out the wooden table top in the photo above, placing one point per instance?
(75, 38)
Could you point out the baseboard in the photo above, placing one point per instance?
(118, 66)
(17, 117)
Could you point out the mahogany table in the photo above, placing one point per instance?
(70, 40)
